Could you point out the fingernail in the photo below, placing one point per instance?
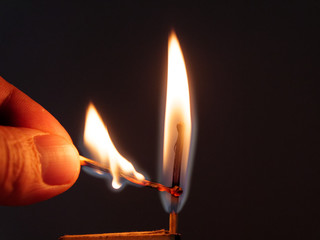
(59, 159)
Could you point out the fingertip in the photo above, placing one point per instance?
(59, 160)
(35, 166)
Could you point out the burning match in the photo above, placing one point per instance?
(177, 132)
(173, 219)
(175, 191)
(175, 172)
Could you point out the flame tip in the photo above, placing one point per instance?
(172, 32)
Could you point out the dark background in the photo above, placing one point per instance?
(253, 70)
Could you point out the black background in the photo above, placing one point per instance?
(253, 70)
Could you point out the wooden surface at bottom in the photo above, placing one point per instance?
(147, 235)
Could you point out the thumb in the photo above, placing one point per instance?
(34, 165)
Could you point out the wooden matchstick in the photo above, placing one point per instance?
(173, 218)
(178, 155)
(173, 222)
(174, 191)
(147, 235)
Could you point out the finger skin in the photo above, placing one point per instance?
(22, 179)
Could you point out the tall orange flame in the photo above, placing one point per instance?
(177, 112)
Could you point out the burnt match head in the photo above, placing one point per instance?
(176, 191)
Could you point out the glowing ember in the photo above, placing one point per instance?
(98, 142)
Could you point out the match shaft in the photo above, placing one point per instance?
(173, 222)
(173, 218)
(174, 191)
(178, 148)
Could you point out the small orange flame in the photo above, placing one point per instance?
(98, 142)
(177, 112)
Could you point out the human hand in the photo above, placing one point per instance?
(37, 158)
